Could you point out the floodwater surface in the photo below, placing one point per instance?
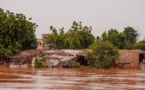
(71, 79)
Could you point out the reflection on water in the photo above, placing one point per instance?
(71, 79)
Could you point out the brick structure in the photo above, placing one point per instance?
(44, 36)
(40, 42)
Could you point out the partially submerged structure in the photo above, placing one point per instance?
(61, 58)
(24, 57)
(130, 58)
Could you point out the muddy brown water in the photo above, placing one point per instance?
(71, 79)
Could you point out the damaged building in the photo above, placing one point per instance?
(130, 58)
(24, 58)
(61, 58)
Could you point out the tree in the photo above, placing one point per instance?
(103, 55)
(56, 39)
(131, 35)
(116, 38)
(80, 36)
(16, 33)
(139, 45)
(77, 37)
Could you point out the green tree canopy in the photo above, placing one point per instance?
(103, 55)
(77, 37)
(139, 45)
(131, 35)
(115, 37)
(16, 33)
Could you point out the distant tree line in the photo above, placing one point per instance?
(80, 37)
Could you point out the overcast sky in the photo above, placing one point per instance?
(102, 15)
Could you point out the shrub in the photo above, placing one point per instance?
(139, 45)
(103, 55)
(74, 64)
(38, 63)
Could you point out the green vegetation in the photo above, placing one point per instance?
(77, 37)
(139, 45)
(122, 40)
(40, 62)
(16, 33)
(131, 36)
(116, 38)
(80, 37)
(74, 64)
(103, 55)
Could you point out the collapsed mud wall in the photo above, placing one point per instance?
(25, 57)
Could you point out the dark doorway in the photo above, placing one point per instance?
(141, 58)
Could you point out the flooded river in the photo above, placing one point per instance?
(71, 79)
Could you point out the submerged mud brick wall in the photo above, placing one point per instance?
(130, 55)
(25, 56)
(31, 54)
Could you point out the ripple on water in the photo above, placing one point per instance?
(84, 79)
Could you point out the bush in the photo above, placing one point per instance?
(74, 64)
(42, 55)
(139, 45)
(38, 63)
(103, 55)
